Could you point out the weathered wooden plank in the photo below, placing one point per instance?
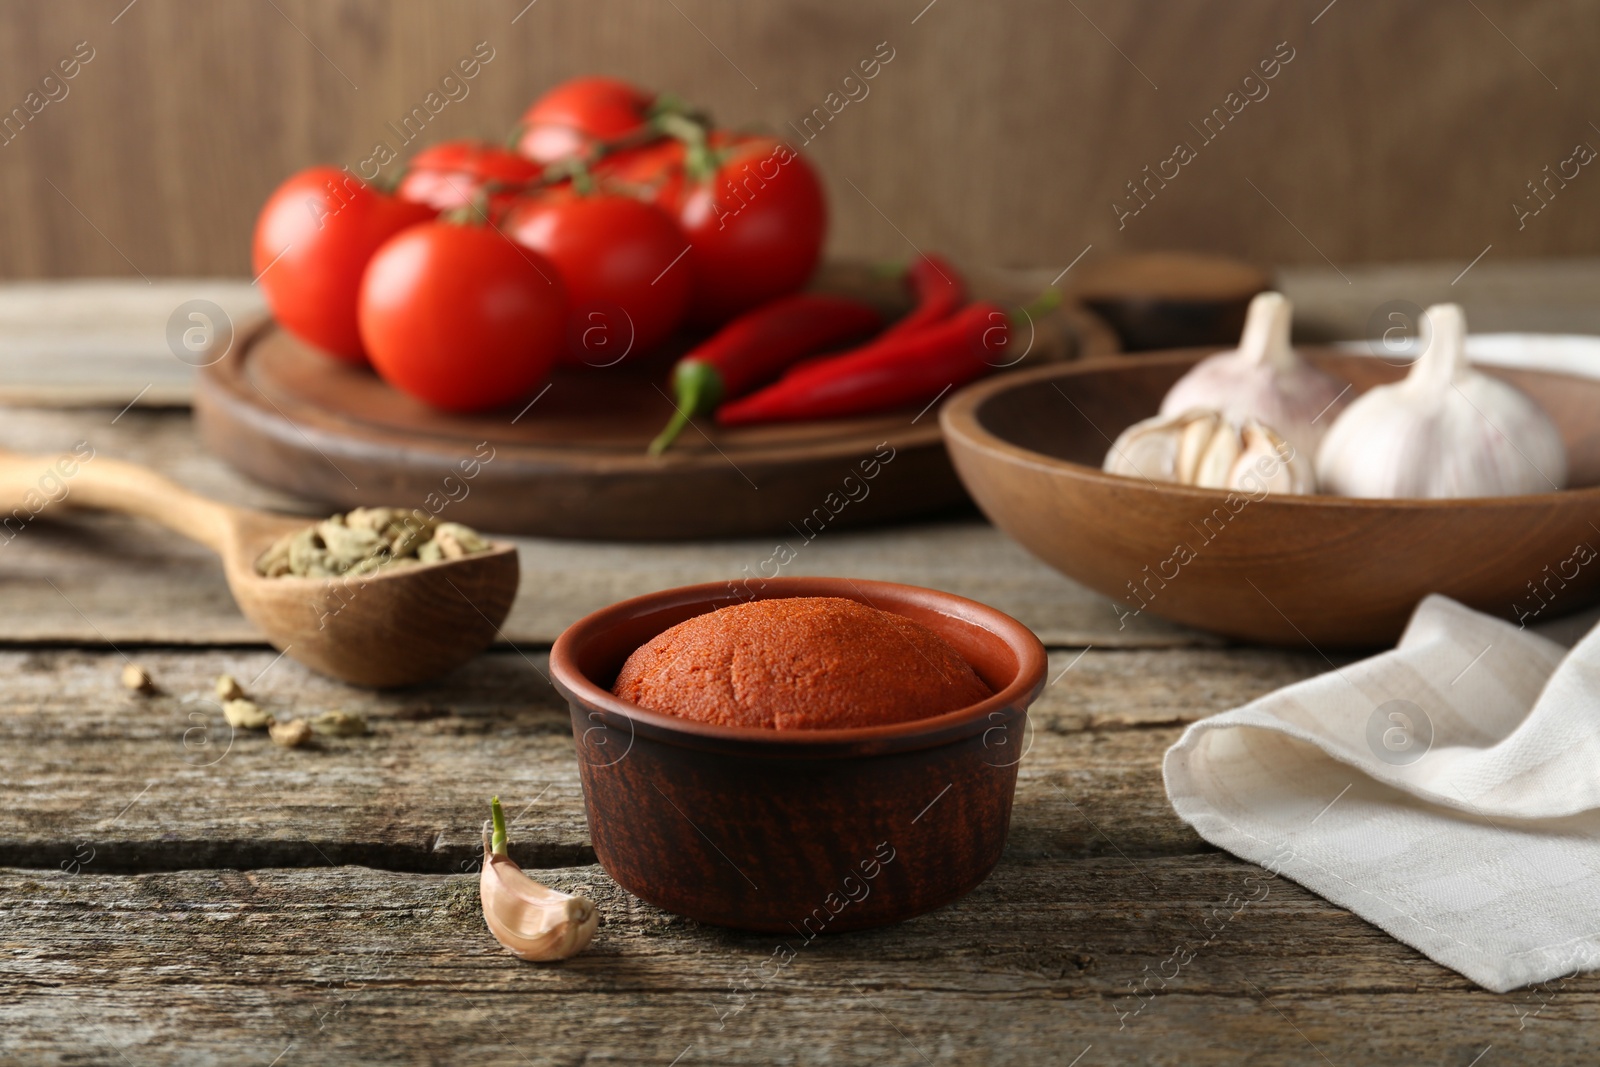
(99, 342)
(1040, 964)
(150, 783)
(121, 581)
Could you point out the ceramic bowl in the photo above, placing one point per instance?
(1289, 570)
(798, 832)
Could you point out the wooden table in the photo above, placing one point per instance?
(173, 894)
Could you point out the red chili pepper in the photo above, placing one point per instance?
(940, 292)
(756, 347)
(908, 370)
(916, 368)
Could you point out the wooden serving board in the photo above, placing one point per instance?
(572, 463)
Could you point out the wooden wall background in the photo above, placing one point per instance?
(1001, 132)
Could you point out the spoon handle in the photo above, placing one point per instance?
(31, 484)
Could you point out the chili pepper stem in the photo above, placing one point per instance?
(1042, 304)
(670, 434)
(699, 390)
(498, 844)
(891, 268)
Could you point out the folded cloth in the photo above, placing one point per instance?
(1447, 792)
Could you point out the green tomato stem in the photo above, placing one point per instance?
(699, 160)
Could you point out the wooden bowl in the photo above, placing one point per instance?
(798, 832)
(1288, 570)
(1156, 300)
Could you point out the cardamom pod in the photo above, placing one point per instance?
(365, 541)
(291, 734)
(339, 724)
(228, 688)
(245, 715)
(137, 678)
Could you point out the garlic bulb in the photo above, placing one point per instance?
(1263, 379)
(1446, 430)
(534, 921)
(1210, 450)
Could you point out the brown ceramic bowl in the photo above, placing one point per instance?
(798, 831)
(1331, 571)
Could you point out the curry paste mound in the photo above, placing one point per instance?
(804, 663)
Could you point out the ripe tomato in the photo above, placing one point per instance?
(461, 317)
(451, 174)
(622, 262)
(313, 239)
(756, 228)
(651, 172)
(756, 225)
(566, 120)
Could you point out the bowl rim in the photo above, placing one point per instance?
(958, 418)
(1004, 706)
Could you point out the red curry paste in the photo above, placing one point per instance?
(803, 663)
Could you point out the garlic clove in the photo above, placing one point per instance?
(1205, 449)
(1193, 438)
(1278, 468)
(533, 921)
(1446, 430)
(1217, 458)
(1263, 379)
(1147, 450)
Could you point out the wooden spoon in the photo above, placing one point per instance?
(395, 627)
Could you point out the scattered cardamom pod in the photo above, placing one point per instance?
(340, 724)
(245, 715)
(228, 688)
(137, 678)
(367, 540)
(291, 734)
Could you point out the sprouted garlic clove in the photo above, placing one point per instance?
(532, 921)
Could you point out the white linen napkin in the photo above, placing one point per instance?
(1447, 792)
